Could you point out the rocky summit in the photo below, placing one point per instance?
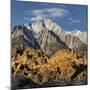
(48, 36)
(44, 54)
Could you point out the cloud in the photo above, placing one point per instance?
(37, 18)
(71, 20)
(57, 12)
(48, 12)
(27, 19)
(38, 12)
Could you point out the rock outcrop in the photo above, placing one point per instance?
(65, 66)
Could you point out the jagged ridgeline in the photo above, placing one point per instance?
(49, 37)
(43, 54)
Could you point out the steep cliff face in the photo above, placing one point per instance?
(48, 36)
(49, 42)
(22, 37)
(81, 35)
(75, 43)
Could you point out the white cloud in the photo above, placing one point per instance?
(38, 12)
(71, 20)
(57, 12)
(36, 18)
(48, 12)
(28, 19)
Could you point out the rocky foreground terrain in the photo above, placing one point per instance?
(32, 68)
(44, 54)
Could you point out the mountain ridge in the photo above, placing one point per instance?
(37, 32)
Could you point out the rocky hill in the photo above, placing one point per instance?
(65, 67)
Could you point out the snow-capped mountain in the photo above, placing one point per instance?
(81, 35)
(23, 37)
(48, 36)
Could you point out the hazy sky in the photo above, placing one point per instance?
(70, 17)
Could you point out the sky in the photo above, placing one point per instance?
(69, 16)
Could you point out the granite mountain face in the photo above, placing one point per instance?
(47, 36)
(81, 35)
(22, 37)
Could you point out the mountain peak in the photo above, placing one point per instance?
(49, 20)
(81, 35)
